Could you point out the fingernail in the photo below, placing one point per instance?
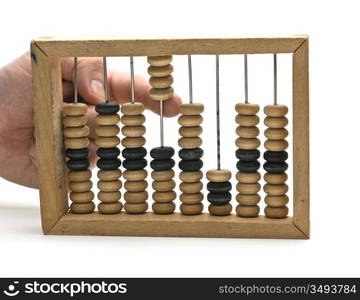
(97, 88)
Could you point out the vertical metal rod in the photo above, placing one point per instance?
(132, 79)
(75, 80)
(190, 80)
(218, 111)
(105, 80)
(161, 124)
(275, 79)
(246, 79)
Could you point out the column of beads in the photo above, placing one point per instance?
(134, 154)
(276, 156)
(76, 143)
(190, 155)
(107, 140)
(248, 164)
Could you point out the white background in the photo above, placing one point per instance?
(333, 26)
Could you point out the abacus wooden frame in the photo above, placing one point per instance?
(46, 54)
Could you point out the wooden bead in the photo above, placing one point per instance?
(248, 177)
(163, 208)
(107, 131)
(190, 121)
(161, 94)
(247, 109)
(247, 132)
(279, 122)
(248, 200)
(193, 198)
(133, 120)
(110, 208)
(135, 175)
(136, 197)
(107, 142)
(277, 201)
(75, 109)
(132, 109)
(80, 186)
(109, 197)
(244, 120)
(104, 120)
(136, 208)
(83, 197)
(160, 71)
(276, 212)
(192, 209)
(247, 211)
(109, 186)
(136, 186)
(194, 131)
(247, 144)
(275, 178)
(76, 132)
(74, 121)
(248, 188)
(162, 175)
(79, 175)
(276, 145)
(110, 175)
(190, 143)
(76, 143)
(191, 187)
(220, 210)
(277, 110)
(163, 186)
(191, 176)
(159, 61)
(133, 131)
(161, 82)
(215, 175)
(133, 142)
(82, 208)
(276, 133)
(164, 197)
(191, 109)
(276, 189)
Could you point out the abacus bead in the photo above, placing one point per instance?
(277, 110)
(107, 108)
(193, 209)
(190, 165)
(247, 132)
(80, 186)
(107, 131)
(105, 120)
(163, 186)
(191, 154)
(162, 152)
(75, 109)
(163, 208)
(136, 208)
(160, 71)
(109, 186)
(161, 94)
(76, 132)
(216, 175)
(108, 153)
(244, 120)
(248, 177)
(248, 199)
(134, 153)
(220, 210)
(191, 176)
(275, 178)
(248, 188)
(76, 143)
(247, 109)
(192, 198)
(135, 164)
(276, 212)
(82, 208)
(279, 122)
(110, 208)
(109, 175)
(79, 175)
(276, 189)
(136, 186)
(136, 197)
(83, 197)
(108, 164)
(276, 133)
(190, 121)
(190, 143)
(133, 142)
(159, 61)
(191, 109)
(135, 175)
(162, 175)
(247, 144)
(133, 131)
(161, 82)
(219, 199)
(133, 120)
(74, 121)
(190, 131)
(277, 201)
(219, 187)
(276, 145)
(248, 166)
(132, 109)
(275, 167)
(82, 153)
(247, 211)
(275, 156)
(78, 164)
(107, 142)
(191, 187)
(109, 197)
(164, 197)
(247, 155)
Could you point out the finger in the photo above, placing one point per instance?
(68, 91)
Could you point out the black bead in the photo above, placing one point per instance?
(162, 152)
(219, 187)
(138, 164)
(162, 164)
(191, 154)
(247, 155)
(134, 153)
(108, 164)
(191, 165)
(275, 156)
(280, 167)
(107, 108)
(108, 153)
(78, 164)
(248, 166)
(77, 153)
(219, 199)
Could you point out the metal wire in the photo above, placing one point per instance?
(246, 79)
(132, 79)
(74, 77)
(218, 112)
(190, 80)
(161, 123)
(275, 79)
(106, 87)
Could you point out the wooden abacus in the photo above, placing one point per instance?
(54, 144)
